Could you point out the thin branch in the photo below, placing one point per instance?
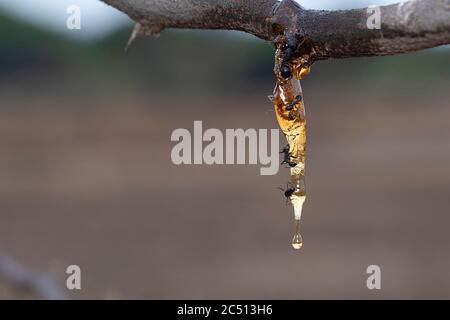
(405, 27)
(25, 280)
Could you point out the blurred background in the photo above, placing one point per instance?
(86, 176)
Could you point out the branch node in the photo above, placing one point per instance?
(142, 30)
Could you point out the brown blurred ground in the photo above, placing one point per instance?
(96, 188)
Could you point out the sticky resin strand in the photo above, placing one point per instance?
(290, 113)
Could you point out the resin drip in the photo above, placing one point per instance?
(297, 241)
(290, 112)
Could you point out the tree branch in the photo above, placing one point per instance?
(25, 280)
(405, 27)
(251, 16)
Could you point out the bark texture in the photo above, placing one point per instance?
(405, 27)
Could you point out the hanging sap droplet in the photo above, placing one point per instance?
(297, 241)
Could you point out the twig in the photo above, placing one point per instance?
(23, 279)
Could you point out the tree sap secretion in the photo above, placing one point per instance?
(290, 113)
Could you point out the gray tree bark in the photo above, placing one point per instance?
(405, 27)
